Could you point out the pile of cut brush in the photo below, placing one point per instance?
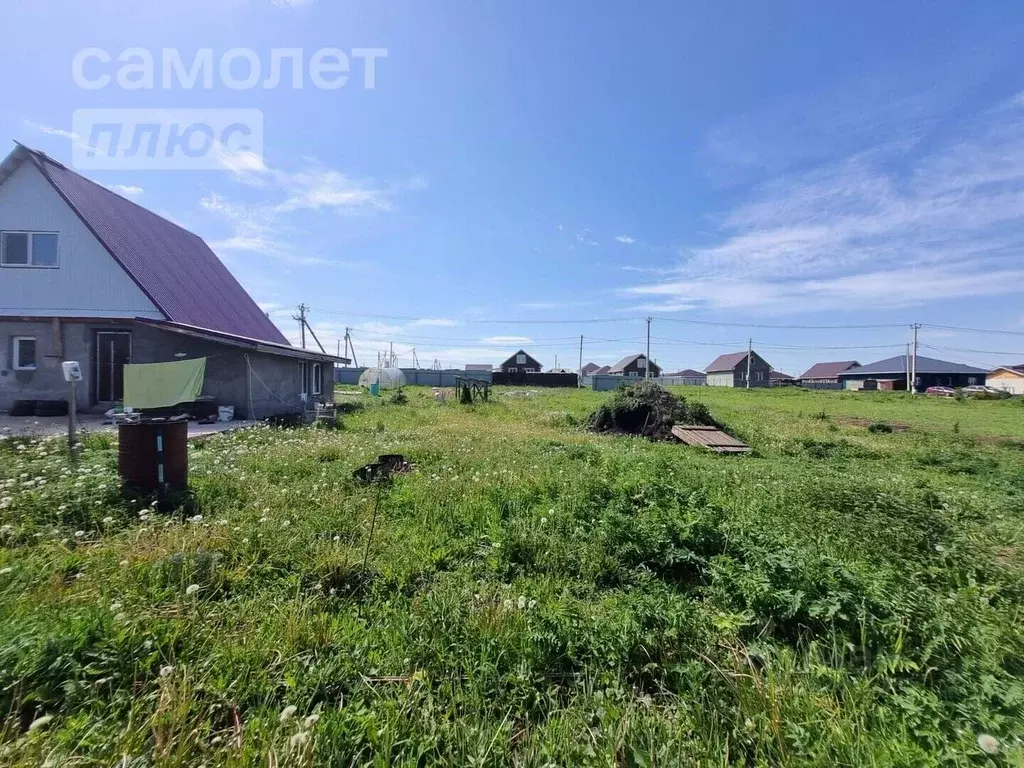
(648, 410)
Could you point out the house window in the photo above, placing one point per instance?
(513, 369)
(303, 380)
(28, 249)
(24, 353)
(529, 370)
(971, 381)
(520, 359)
(641, 362)
(316, 379)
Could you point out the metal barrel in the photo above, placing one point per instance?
(153, 456)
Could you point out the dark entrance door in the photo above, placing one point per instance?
(113, 351)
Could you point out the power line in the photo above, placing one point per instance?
(972, 330)
(785, 327)
(973, 351)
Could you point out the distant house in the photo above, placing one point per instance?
(731, 371)
(826, 375)
(635, 365)
(590, 368)
(689, 377)
(780, 379)
(561, 370)
(89, 276)
(891, 373)
(1009, 378)
(520, 362)
(602, 369)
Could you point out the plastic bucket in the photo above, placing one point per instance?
(226, 413)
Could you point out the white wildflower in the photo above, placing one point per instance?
(288, 713)
(167, 670)
(191, 589)
(310, 720)
(299, 740)
(988, 744)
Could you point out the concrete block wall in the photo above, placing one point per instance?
(274, 388)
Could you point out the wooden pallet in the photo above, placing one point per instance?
(711, 438)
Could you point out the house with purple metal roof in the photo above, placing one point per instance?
(730, 370)
(88, 275)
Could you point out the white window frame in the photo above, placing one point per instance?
(641, 362)
(520, 359)
(529, 370)
(303, 383)
(317, 383)
(513, 369)
(16, 357)
(31, 234)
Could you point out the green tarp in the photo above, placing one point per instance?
(159, 385)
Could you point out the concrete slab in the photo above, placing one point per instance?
(53, 426)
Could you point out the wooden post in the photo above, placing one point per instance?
(72, 408)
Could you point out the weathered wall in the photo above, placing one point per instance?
(723, 379)
(275, 387)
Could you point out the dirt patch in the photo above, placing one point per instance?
(648, 410)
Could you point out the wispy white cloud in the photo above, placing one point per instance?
(882, 227)
(625, 239)
(266, 227)
(506, 340)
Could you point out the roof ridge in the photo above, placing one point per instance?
(40, 155)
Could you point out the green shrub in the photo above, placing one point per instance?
(880, 427)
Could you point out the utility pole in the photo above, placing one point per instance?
(349, 346)
(391, 354)
(580, 379)
(301, 318)
(647, 360)
(913, 360)
(906, 361)
(750, 354)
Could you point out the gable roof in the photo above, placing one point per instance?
(778, 376)
(529, 359)
(828, 370)
(1017, 369)
(898, 364)
(726, 362)
(590, 368)
(620, 366)
(174, 267)
(689, 373)
(603, 369)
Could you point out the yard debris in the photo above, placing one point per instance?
(386, 465)
(648, 410)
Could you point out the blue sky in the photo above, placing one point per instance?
(521, 163)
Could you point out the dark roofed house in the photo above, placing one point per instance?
(589, 368)
(891, 373)
(826, 375)
(730, 370)
(113, 284)
(521, 362)
(635, 365)
(603, 369)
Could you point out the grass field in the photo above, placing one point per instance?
(532, 594)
